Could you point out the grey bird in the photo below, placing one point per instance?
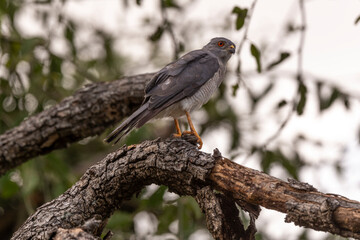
(181, 87)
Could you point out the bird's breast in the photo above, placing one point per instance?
(204, 93)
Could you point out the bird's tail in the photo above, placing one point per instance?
(131, 122)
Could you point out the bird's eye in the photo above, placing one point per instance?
(221, 43)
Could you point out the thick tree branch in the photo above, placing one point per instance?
(187, 171)
(88, 112)
(303, 204)
(174, 163)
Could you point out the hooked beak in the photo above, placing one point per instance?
(232, 49)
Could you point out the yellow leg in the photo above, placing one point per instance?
(178, 130)
(193, 131)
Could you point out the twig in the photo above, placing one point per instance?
(168, 27)
(299, 75)
(244, 38)
(282, 125)
(302, 41)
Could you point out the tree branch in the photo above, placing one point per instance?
(173, 162)
(88, 112)
(187, 171)
(303, 204)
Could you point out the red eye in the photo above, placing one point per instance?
(221, 44)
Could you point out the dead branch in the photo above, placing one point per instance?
(187, 171)
(302, 203)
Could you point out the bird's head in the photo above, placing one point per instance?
(223, 48)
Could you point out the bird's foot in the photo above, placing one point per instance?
(198, 138)
(177, 135)
(131, 146)
(188, 133)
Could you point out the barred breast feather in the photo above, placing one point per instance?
(204, 94)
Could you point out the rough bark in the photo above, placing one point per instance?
(174, 163)
(187, 171)
(302, 203)
(88, 231)
(222, 216)
(74, 233)
(88, 112)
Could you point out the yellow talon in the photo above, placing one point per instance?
(178, 130)
(193, 131)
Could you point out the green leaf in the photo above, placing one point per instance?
(270, 158)
(326, 103)
(121, 220)
(234, 87)
(7, 187)
(69, 31)
(319, 87)
(157, 34)
(256, 54)
(168, 215)
(188, 213)
(70, 34)
(55, 63)
(241, 14)
(302, 90)
(170, 4)
(334, 95)
(281, 104)
(181, 47)
(155, 200)
(357, 20)
(346, 102)
(267, 159)
(283, 56)
(28, 45)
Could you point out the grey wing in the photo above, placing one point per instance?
(176, 81)
(173, 68)
(180, 79)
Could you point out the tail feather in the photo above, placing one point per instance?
(126, 126)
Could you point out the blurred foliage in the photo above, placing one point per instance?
(255, 52)
(283, 56)
(241, 14)
(302, 90)
(36, 73)
(277, 157)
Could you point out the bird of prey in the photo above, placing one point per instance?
(181, 87)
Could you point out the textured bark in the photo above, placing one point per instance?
(303, 204)
(174, 163)
(187, 171)
(88, 112)
(222, 216)
(88, 231)
(74, 233)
